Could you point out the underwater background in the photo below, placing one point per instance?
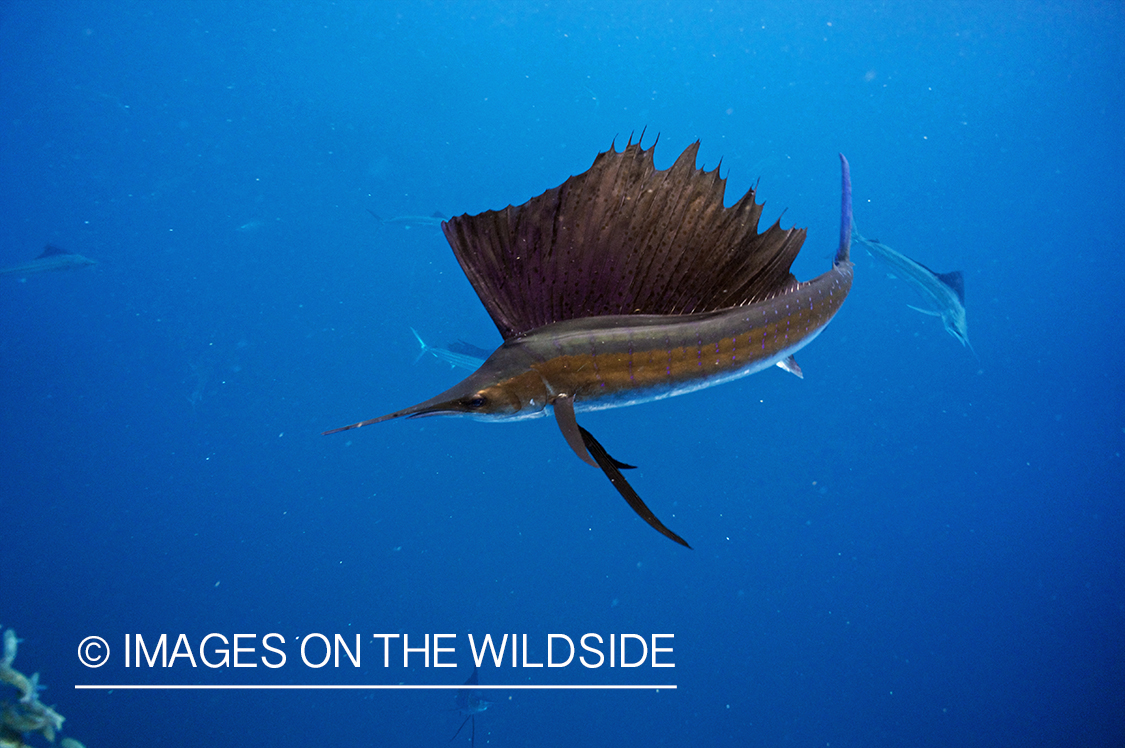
(913, 545)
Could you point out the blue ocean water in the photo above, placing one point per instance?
(913, 545)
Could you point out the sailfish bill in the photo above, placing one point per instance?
(627, 284)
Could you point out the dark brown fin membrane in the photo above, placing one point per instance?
(623, 238)
(610, 466)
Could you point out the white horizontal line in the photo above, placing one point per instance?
(463, 687)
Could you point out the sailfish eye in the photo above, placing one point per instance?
(477, 401)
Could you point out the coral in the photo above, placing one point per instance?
(28, 713)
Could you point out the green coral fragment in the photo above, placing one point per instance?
(27, 713)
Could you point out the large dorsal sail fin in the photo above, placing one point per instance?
(623, 238)
(52, 251)
(956, 282)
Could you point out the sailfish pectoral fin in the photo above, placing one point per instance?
(568, 425)
(930, 312)
(610, 466)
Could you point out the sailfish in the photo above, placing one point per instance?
(469, 705)
(627, 284)
(52, 258)
(944, 292)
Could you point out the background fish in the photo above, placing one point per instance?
(52, 258)
(944, 292)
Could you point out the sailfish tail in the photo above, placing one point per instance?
(425, 348)
(843, 253)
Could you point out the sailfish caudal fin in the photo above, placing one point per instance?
(843, 253)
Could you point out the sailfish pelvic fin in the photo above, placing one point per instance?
(590, 451)
(609, 466)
